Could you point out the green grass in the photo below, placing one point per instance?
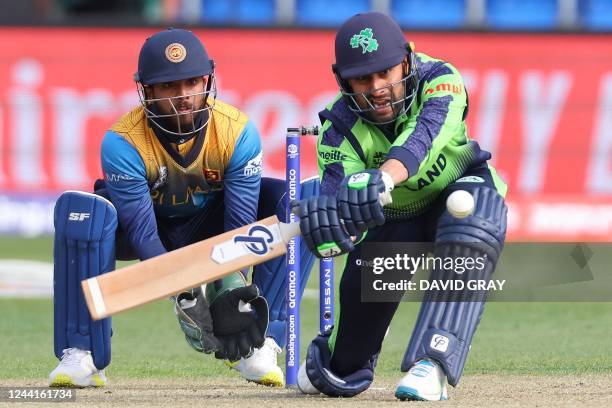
(38, 249)
(513, 338)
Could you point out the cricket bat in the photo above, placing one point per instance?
(205, 261)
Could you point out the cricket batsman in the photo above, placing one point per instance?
(181, 167)
(397, 126)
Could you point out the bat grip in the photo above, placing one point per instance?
(385, 198)
(289, 230)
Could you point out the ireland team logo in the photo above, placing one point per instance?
(366, 40)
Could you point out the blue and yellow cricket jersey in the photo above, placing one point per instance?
(145, 179)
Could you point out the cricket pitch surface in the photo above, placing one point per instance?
(490, 390)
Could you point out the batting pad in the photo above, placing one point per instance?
(84, 247)
(318, 370)
(445, 328)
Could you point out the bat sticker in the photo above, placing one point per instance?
(257, 239)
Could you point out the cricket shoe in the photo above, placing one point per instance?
(303, 382)
(261, 367)
(76, 369)
(425, 381)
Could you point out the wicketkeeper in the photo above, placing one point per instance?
(181, 167)
(397, 126)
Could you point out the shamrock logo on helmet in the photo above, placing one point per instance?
(366, 40)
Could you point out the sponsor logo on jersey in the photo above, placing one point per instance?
(192, 194)
(379, 158)
(212, 175)
(114, 177)
(162, 179)
(257, 239)
(456, 89)
(332, 155)
(254, 166)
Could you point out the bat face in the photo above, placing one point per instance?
(187, 267)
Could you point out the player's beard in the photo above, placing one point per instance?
(186, 127)
(389, 107)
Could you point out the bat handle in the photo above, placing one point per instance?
(289, 230)
(385, 198)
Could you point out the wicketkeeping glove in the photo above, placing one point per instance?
(361, 197)
(195, 320)
(321, 226)
(240, 320)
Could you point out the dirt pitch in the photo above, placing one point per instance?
(474, 391)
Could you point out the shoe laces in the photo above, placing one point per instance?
(270, 349)
(73, 356)
(422, 368)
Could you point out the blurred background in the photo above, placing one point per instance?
(496, 15)
(538, 75)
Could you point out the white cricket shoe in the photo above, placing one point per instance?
(261, 367)
(303, 382)
(425, 381)
(76, 369)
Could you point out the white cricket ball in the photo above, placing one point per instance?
(460, 204)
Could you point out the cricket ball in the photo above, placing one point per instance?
(460, 204)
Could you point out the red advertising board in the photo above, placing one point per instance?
(542, 104)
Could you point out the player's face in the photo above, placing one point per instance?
(379, 92)
(180, 98)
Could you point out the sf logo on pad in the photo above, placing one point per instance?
(78, 216)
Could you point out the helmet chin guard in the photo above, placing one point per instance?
(400, 106)
(170, 123)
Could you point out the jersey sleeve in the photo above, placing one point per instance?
(336, 159)
(126, 183)
(242, 179)
(439, 121)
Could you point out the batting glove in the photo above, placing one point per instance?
(321, 227)
(361, 198)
